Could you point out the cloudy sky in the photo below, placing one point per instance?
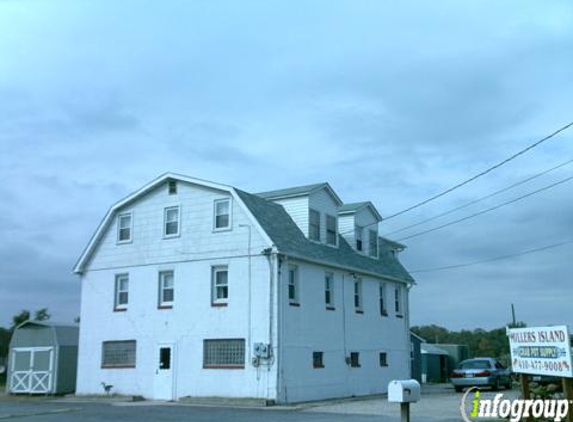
(388, 101)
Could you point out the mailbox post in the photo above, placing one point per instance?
(404, 392)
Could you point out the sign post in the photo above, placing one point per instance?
(542, 351)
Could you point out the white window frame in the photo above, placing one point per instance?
(329, 288)
(398, 301)
(357, 295)
(335, 230)
(383, 299)
(359, 236)
(294, 282)
(166, 303)
(215, 204)
(373, 233)
(117, 291)
(316, 214)
(165, 211)
(216, 269)
(119, 218)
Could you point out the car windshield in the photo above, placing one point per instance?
(475, 364)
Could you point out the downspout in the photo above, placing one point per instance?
(249, 296)
(407, 323)
(271, 254)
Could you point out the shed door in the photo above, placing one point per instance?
(32, 370)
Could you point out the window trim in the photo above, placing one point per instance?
(225, 366)
(357, 293)
(214, 300)
(335, 230)
(120, 307)
(161, 304)
(230, 225)
(119, 217)
(373, 234)
(118, 366)
(398, 301)
(383, 299)
(329, 276)
(316, 365)
(316, 213)
(295, 301)
(165, 210)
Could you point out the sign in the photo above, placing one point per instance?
(541, 351)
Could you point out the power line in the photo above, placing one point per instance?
(475, 201)
(459, 220)
(498, 258)
(483, 173)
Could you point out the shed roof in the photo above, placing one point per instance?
(289, 240)
(430, 349)
(295, 191)
(64, 334)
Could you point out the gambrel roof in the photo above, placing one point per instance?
(278, 229)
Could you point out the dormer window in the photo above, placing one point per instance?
(172, 187)
(314, 225)
(331, 230)
(124, 228)
(222, 214)
(358, 233)
(373, 243)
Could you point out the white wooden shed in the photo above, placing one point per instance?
(43, 358)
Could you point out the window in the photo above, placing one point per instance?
(358, 294)
(314, 225)
(171, 218)
(293, 294)
(383, 308)
(398, 300)
(118, 354)
(317, 359)
(355, 359)
(383, 359)
(373, 243)
(220, 285)
(358, 234)
(166, 289)
(124, 227)
(331, 230)
(172, 187)
(164, 358)
(222, 214)
(121, 292)
(228, 353)
(329, 290)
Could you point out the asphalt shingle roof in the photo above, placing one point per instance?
(297, 190)
(352, 207)
(289, 240)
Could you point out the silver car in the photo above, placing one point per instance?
(481, 372)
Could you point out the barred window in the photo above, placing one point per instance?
(225, 353)
(118, 354)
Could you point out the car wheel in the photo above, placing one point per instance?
(459, 389)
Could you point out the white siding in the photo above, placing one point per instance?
(297, 208)
(192, 318)
(311, 327)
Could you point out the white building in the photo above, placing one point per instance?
(193, 288)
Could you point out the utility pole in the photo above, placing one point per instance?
(513, 315)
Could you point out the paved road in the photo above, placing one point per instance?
(48, 411)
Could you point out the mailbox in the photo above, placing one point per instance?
(403, 391)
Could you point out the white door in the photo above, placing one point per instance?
(32, 370)
(164, 360)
